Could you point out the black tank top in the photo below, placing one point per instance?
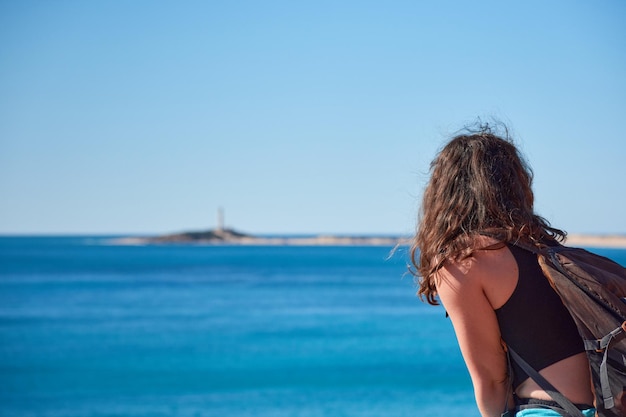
(534, 321)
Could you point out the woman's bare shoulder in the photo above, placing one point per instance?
(485, 251)
(490, 260)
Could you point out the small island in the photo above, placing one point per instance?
(207, 236)
(221, 236)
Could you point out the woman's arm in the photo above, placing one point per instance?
(460, 289)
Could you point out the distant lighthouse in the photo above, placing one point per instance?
(220, 219)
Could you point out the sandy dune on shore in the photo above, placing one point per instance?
(597, 241)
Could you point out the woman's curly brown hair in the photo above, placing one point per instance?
(479, 185)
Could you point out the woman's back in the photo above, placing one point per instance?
(535, 323)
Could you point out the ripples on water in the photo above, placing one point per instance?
(88, 329)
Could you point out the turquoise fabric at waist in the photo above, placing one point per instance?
(532, 407)
(546, 412)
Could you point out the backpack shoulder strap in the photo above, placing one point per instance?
(566, 404)
(539, 249)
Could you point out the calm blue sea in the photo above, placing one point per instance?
(88, 328)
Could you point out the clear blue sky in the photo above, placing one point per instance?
(298, 117)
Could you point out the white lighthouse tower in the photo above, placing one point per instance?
(220, 220)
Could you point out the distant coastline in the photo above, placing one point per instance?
(233, 237)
